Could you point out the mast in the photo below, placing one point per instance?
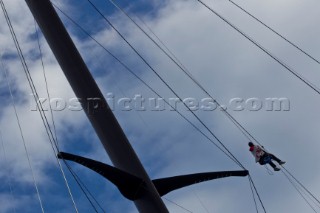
(94, 104)
(128, 174)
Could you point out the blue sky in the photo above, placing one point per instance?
(223, 61)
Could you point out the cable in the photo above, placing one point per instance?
(312, 86)
(149, 86)
(84, 186)
(255, 189)
(29, 78)
(157, 74)
(13, 103)
(166, 84)
(281, 36)
(232, 119)
(233, 157)
(183, 68)
(301, 185)
(170, 55)
(141, 80)
(176, 61)
(82, 189)
(296, 188)
(21, 133)
(36, 96)
(56, 140)
(128, 69)
(52, 118)
(177, 205)
(46, 82)
(6, 162)
(201, 203)
(254, 198)
(268, 170)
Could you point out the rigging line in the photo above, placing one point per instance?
(308, 196)
(184, 69)
(140, 117)
(257, 193)
(254, 198)
(268, 170)
(157, 74)
(82, 189)
(137, 112)
(151, 89)
(165, 49)
(177, 205)
(132, 73)
(296, 188)
(28, 75)
(52, 117)
(171, 57)
(201, 203)
(21, 133)
(86, 188)
(308, 83)
(32, 86)
(29, 78)
(167, 52)
(301, 185)
(172, 91)
(180, 65)
(284, 38)
(6, 162)
(161, 42)
(142, 81)
(176, 61)
(46, 82)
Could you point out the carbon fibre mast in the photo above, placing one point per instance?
(128, 174)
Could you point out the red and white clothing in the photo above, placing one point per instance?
(257, 152)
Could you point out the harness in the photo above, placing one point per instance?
(266, 159)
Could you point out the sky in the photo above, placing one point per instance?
(225, 63)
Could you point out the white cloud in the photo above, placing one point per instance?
(225, 63)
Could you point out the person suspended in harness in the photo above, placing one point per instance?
(264, 157)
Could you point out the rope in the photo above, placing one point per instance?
(186, 72)
(175, 60)
(187, 210)
(46, 82)
(157, 74)
(246, 133)
(308, 83)
(254, 198)
(82, 189)
(201, 203)
(301, 185)
(21, 133)
(53, 122)
(83, 185)
(268, 170)
(257, 193)
(141, 80)
(6, 162)
(36, 96)
(296, 188)
(281, 36)
(235, 160)
(57, 143)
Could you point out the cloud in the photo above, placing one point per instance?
(219, 58)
